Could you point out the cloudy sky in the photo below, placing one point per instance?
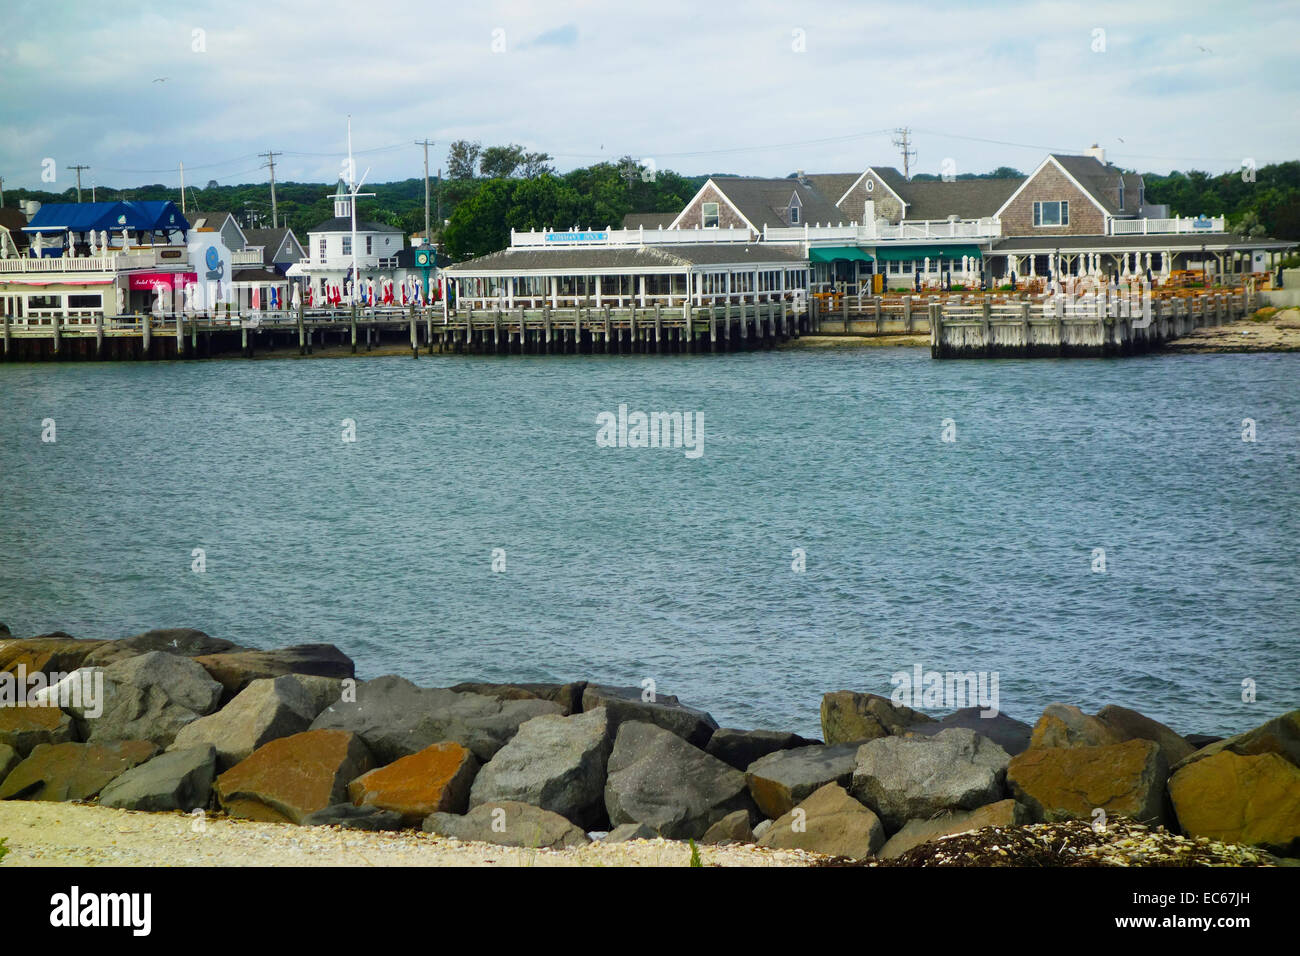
(762, 87)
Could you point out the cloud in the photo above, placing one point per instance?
(565, 36)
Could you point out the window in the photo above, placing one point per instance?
(1052, 213)
(44, 301)
(86, 301)
(370, 244)
(347, 245)
(1121, 194)
(709, 215)
(794, 214)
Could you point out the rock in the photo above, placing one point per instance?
(1064, 725)
(1008, 733)
(1280, 736)
(760, 828)
(1068, 783)
(265, 710)
(9, 758)
(568, 696)
(352, 817)
(1252, 799)
(73, 771)
(437, 779)
(396, 718)
(177, 780)
(553, 762)
(4, 631)
(1201, 740)
(733, 828)
(235, 670)
(22, 728)
(47, 654)
(829, 821)
(150, 696)
(630, 831)
(181, 641)
(905, 777)
(1130, 725)
(783, 779)
(1004, 813)
(657, 778)
(849, 716)
(740, 748)
(666, 711)
(287, 780)
(509, 824)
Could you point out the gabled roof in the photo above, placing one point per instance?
(648, 220)
(1101, 181)
(270, 240)
(833, 186)
(766, 202)
(656, 257)
(213, 221)
(964, 198)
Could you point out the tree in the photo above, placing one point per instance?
(536, 164)
(500, 162)
(462, 159)
(478, 226)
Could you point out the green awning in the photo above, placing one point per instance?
(904, 253)
(831, 253)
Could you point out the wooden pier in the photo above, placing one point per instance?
(717, 328)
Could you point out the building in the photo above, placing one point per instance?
(329, 254)
(226, 225)
(280, 248)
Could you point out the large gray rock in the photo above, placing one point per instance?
(740, 748)
(73, 771)
(1004, 813)
(508, 824)
(149, 696)
(351, 817)
(235, 670)
(568, 696)
(553, 762)
(1130, 725)
(783, 779)
(829, 821)
(396, 718)
(630, 831)
(181, 641)
(906, 777)
(266, 709)
(178, 780)
(848, 716)
(657, 778)
(666, 711)
(1008, 733)
(733, 828)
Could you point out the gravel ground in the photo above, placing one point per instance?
(64, 834)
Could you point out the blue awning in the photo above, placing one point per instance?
(139, 216)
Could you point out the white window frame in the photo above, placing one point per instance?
(794, 214)
(704, 215)
(1063, 213)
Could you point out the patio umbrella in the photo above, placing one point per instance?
(297, 296)
(121, 301)
(257, 299)
(275, 298)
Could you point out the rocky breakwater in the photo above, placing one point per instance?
(186, 722)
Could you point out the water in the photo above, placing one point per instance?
(626, 564)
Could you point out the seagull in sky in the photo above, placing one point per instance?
(161, 79)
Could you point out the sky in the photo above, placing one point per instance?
(762, 88)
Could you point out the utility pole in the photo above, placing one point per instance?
(426, 144)
(440, 198)
(182, 189)
(270, 161)
(2, 191)
(78, 168)
(908, 154)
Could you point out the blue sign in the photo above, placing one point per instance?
(577, 237)
(1200, 222)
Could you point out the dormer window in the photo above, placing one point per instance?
(709, 215)
(1121, 195)
(794, 214)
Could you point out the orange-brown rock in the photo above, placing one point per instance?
(288, 779)
(436, 779)
(24, 727)
(1064, 725)
(73, 771)
(1065, 783)
(1251, 799)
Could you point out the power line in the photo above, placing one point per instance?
(908, 154)
(78, 167)
(270, 161)
(426, 144)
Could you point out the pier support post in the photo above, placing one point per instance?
(1024, 325)
(146, 331)
(496, 331)
(936, 330)
(659, 328)
(713, 328)
(99, 335)
(879, 313)
(415, 335)
(609, 333)
(180, 334)
(57, 336)
(243, 338)
(907, 313)
(302, 336)
(986, 317)
(7, 332)
(546, 328)
(428, 327)
(353, 324)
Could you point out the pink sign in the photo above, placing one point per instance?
(148, 281)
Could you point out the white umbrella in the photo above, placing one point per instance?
(37, 244)
(297, 296)
(121, 301)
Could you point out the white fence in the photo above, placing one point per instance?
(1182, 224)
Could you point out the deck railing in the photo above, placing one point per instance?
(1183, 224)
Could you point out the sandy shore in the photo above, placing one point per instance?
(80, 835)
(1268, 330)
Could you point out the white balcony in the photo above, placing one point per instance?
(246, 257)
(871, 233)
(1180, 224)
(116, 262)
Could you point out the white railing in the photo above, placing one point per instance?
(109, 263)
(246, 257)
(869, 233)
(1181, 224)
(344, 263)
(553, 238)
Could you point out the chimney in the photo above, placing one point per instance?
(1097, 153)
(799, 177)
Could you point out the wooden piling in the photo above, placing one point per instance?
(99, 335)
(180, 334)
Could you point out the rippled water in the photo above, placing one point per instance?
(623, 564)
